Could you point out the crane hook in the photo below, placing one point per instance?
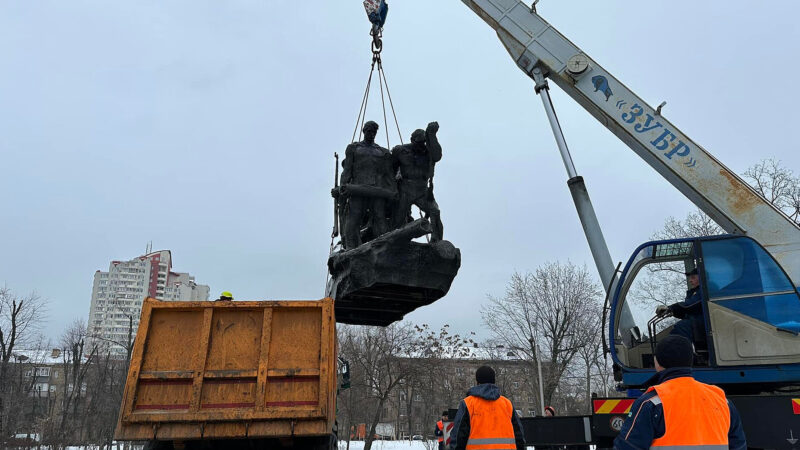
(377, 42)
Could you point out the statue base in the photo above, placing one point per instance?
(379, 282)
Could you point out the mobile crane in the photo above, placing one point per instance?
(750, 277)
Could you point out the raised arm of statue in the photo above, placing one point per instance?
(432, 142)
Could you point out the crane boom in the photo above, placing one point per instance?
(705, 181)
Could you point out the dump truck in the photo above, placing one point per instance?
(227, 374)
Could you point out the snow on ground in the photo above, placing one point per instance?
(396, 445)
(355, 445)
(391, 445)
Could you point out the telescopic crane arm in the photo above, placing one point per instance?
(706, 182)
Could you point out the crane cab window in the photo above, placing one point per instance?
(656, 277)
(743, 277)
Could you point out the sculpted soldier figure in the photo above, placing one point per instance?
(368, 182)
(415, 163)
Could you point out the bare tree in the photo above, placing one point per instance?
(696, 223)
(25, 405)
(432, 387)
(665, 283)
(591, 354)
(105, 380)
(546, 310)
(778, 184)
(773, 181)
(101, 343)
(20, 319)
(351, 401)
(69, 425)
(379, 356)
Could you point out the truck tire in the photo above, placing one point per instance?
(319, 443)
(328, 443)
(157, 445)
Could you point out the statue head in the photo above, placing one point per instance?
(418, 137)
(370, 131)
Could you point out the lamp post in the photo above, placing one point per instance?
(539, 369)
(535, 348)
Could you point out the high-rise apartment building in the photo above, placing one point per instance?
(117, 296)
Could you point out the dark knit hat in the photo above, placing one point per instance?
(674, 351)
(484, 374)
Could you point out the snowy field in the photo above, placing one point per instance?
(358, 445)
(354, 445)
(391, 445)
(395, 445)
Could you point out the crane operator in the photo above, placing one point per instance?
(690, 311)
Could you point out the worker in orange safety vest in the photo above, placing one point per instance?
(680, 412)
(486, 420)
(439, 431)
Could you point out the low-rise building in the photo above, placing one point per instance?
(42, 376)
(417, 405)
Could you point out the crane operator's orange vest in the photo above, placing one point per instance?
(440, 426)
(490, 425)
(696, 415)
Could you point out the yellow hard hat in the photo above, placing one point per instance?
(226, 295)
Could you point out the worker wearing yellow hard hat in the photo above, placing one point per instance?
(225, 297)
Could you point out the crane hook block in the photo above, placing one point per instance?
(376, 12)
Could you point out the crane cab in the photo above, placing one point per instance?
(744, 322)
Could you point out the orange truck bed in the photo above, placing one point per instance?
(222, 370)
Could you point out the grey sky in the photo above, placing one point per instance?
(209, 127)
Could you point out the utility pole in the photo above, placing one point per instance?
(539, 368)
(535, 348)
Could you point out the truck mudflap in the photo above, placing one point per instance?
(769, 421)
(600, 428)
(566, 430)
(608, 415)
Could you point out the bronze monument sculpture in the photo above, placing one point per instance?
(415, 164)
(379, 272)
(368, 182)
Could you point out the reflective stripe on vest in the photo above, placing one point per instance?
(440, 426)
(490, 425)
(696, 416)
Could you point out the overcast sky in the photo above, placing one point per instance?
(208, 127)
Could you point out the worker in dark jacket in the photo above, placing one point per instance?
(486, 420)
(679, 411)
(690, 311)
